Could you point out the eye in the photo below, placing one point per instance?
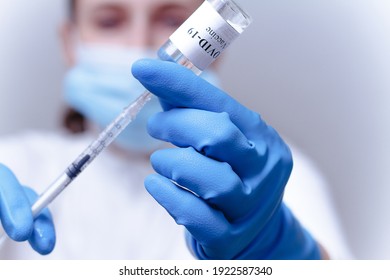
(109, 22)
(109, 18)
(170, 18)
(170, 21)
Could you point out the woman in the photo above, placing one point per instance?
(233, 164)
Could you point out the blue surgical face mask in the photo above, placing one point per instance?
(100, 85)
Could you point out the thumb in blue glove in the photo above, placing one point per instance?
(16, 216)
(232, 168)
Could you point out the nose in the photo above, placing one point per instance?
(140, 33)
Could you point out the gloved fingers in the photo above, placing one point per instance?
(213, 181)
(207, 225)
(179, 87)
(15, 208)
(43, 237)
(212, 134)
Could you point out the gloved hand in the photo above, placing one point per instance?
(232, 168)
(16, 216)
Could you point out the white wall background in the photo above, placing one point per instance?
(317, 70)
(30, 64)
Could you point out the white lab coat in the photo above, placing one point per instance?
(107, 214)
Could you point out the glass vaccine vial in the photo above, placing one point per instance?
(203, 37)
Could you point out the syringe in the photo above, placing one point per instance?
(105, 138)
(195, 45)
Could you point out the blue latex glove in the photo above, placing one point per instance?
(16, 216)
(233, 166)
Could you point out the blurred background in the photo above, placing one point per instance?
(317, 70)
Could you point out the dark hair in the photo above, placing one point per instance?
(71, 8)
(74, 121)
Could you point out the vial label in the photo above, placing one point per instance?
(204, 36)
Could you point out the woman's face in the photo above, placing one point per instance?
(132, 23)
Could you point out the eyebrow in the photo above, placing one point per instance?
(106, 6)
